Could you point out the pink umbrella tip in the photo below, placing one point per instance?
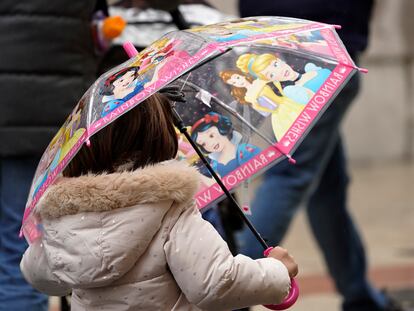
(88, 143)
(291, 160)
(337, 26)
(363, 70)
(130, 49)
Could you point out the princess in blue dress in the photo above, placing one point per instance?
(215, 136)
(121, 87)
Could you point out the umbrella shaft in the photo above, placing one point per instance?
(180, 125)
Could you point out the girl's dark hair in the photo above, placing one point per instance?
(108, 87)
(223, 124)
(145, 135)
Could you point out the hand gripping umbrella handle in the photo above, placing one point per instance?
(291, 297)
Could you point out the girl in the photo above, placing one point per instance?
(264, 99)
(299, 87)
(121, 230)
(215, 136)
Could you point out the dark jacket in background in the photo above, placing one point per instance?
(47, 62)
(352, 15)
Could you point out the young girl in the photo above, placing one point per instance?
(121, 230)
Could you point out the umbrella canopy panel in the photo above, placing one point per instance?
(255, 84)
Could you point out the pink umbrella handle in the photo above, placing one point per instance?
(291, 297)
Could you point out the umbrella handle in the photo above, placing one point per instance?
(291, 297)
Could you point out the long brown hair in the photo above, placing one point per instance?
(145, 135)
(238, 93)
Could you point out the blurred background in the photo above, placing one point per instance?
(379, 135)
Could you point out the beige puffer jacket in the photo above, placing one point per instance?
(135, 241)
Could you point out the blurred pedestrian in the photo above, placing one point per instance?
(319, 177)
(123, 232)
(47, 61)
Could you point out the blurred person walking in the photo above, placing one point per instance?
(47, 61)
(320, 177)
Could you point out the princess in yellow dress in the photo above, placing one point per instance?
(265, 98)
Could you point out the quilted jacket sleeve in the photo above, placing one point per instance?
(211, 278)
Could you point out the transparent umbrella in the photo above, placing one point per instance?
(246, 93)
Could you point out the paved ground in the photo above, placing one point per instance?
(382, 202)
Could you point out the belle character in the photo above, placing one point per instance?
(264, 99)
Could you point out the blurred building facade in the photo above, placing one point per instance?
(380, 125)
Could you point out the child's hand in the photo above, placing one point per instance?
(281, 254)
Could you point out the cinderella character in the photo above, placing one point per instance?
(298, 86)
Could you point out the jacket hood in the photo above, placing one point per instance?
(170, 180)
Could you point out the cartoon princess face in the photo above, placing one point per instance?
(238, 80)
(211, 140)
(214, 135)
(278, 70)
(123, 82)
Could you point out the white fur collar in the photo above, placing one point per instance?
(171, 180)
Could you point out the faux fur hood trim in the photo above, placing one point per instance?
(171, 180)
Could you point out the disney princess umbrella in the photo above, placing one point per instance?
(245, 94)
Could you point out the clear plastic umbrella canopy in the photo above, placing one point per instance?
(253, 89)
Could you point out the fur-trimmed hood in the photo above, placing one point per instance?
(170, 180)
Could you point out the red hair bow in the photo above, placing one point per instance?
(211, 118)
(208, 118)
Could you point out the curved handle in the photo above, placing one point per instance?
(289, 300)
(291, 297)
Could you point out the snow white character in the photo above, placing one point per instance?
(299, 86)
(264, 97)
(121, 87)
(215, 136)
